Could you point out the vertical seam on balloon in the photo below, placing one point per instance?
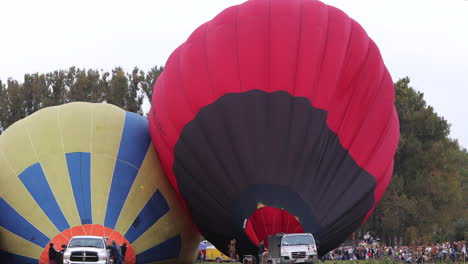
(346, 113)
(317, 83)
(206, 137)
(269, 46)
(30, 142)
(60, 130)
(181, 164)
(299, 41)
(381, 138)
(363, 120)
(66, 238)
(267, 88)
(343, 62)
(389, 167)
(239, 75)
(210, 82)
(93, 108)
(9, 163)
(322, 58)
(347, 152)
(371, 104)
(327, 101)
(303, 153)
(263, 218)
(237, 49)
(274, 220)
(187, 99)
(293, 93)
(330, 180)
(323, 142)
(356, 76)
(84, 231)
(91, 152)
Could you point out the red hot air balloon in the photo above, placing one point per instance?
(276, 116)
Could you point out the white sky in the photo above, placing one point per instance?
(426, 40)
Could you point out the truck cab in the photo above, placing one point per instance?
(292, 248)
(87, 249)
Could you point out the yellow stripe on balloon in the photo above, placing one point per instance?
(106, 136)
(15, 193)
(149, 179)
(18, 245)
(44, 132)
(75, 121)
(21, 153)
(161, 231)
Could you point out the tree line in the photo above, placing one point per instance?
(36, 91)
(427, 199)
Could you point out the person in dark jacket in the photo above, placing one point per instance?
(260, 249)
(116, 253)
(53, 254)
(124, 250)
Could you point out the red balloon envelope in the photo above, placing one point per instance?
(284, 104)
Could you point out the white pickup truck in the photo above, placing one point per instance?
(87, 249)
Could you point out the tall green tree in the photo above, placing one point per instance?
(15, 103)
(118, 88)
(56, 83)
(35, 93)
(80, 89)
(95, 93)
(134, 98)
(151, 78)
(3, 106)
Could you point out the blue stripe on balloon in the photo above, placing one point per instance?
(154, 209)
(10, 258)
(35, 181)
(135, 140)
(166, 250)
(132, 151)
(79, 169)
(124, 175)
(12, 221)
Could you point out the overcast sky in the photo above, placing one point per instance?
(423, 39)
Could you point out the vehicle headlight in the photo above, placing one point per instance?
(66, 255)
(284, 252)
(102, 256)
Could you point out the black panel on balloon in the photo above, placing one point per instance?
(271, 149)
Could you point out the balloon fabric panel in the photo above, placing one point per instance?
(311, 51)
(45, 155)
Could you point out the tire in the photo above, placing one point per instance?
(219, 260)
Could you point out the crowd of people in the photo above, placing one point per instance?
(438, 252)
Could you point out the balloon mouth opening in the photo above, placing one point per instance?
(267, 221)
(64, 237)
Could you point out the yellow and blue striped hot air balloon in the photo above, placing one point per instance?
(88, 169)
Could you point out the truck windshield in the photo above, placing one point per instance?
(86, 242)
(297, 240)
